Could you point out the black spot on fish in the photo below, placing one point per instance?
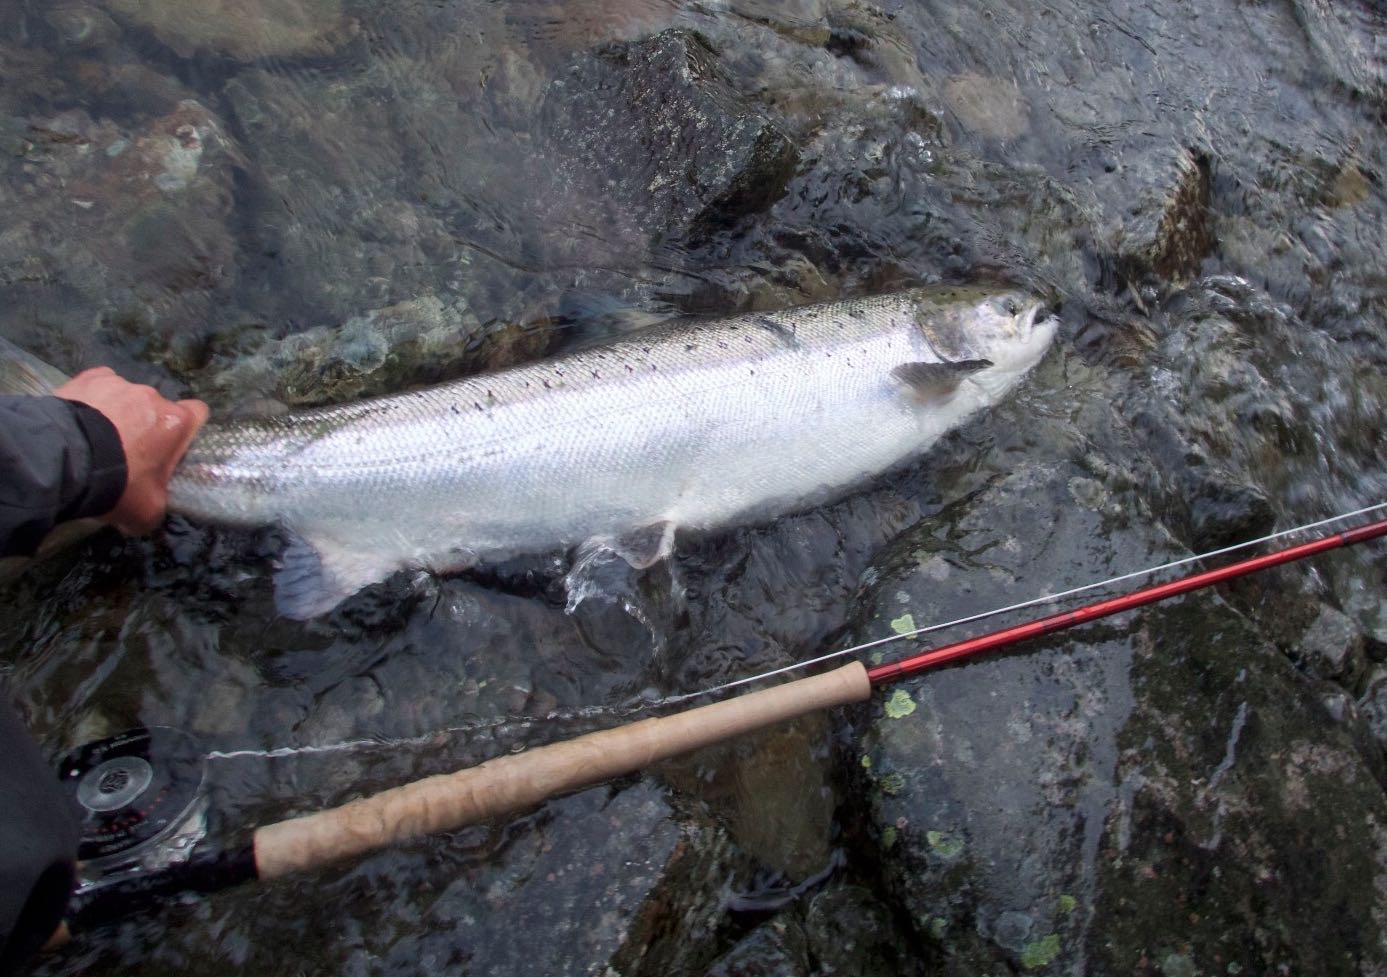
(596, 375)
(689, 347)
(785, 333)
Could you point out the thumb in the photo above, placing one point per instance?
(192, 414)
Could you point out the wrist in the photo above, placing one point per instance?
(107, 471)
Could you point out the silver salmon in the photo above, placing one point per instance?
(695, 424)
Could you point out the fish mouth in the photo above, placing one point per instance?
(1033, 313)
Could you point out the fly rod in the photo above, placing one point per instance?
(116, 775)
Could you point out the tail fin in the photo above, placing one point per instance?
(22, 372)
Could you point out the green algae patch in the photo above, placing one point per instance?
(888, 836)
(1068, 903)
(892, 784)
(1041, 952)
(944, 845)
(905, 624)
(866, 761)
(938, 926)
(899, 705)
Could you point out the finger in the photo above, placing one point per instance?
(192, 414)
(179, 422)
(198, 413)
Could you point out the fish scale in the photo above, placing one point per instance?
(695, 424)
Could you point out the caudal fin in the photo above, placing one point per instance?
(22, 372)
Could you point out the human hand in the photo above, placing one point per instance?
(154, 431)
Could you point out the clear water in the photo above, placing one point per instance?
(306, 200)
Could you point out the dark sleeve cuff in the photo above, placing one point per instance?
(107, 472)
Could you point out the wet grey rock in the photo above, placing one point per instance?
(1061, 808)
(1231, 408)
(627, 894)
(1347, 35)
(1166, 231)
(328, 179)
(774, 949)
(383, 351)
(771, 790)
(1180, 849)
(1334, 648)
(1373, 705)
(704, 157)
(244, 31)
(82, 26)
(987, 785)
(115, 224)
(852, 933)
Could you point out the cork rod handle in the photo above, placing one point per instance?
(516, 782)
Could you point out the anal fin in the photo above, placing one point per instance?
(317, 574)
(645, 547)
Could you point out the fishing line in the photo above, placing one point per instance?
(516, 723)
(1032, 602)
(638, 708)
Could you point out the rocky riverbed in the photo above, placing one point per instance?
(289, 202)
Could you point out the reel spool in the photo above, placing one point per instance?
(140, 794)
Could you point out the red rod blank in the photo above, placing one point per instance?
(890, 671)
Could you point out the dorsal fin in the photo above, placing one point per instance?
(933, 381)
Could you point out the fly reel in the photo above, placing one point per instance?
(141, 799)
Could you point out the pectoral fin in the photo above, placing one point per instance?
(935, 381)
(317, 574)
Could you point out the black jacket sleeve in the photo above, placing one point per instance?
(59, 460)
(39, 829)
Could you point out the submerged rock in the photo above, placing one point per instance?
(1166, 231)
(384, 351)
(1106, 799)
(651, 144)
(1348, 36)
(774, 949)
(130, 226)
(241, 29)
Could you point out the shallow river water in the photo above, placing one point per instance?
(292, 202)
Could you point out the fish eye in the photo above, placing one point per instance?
(1010, 307)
